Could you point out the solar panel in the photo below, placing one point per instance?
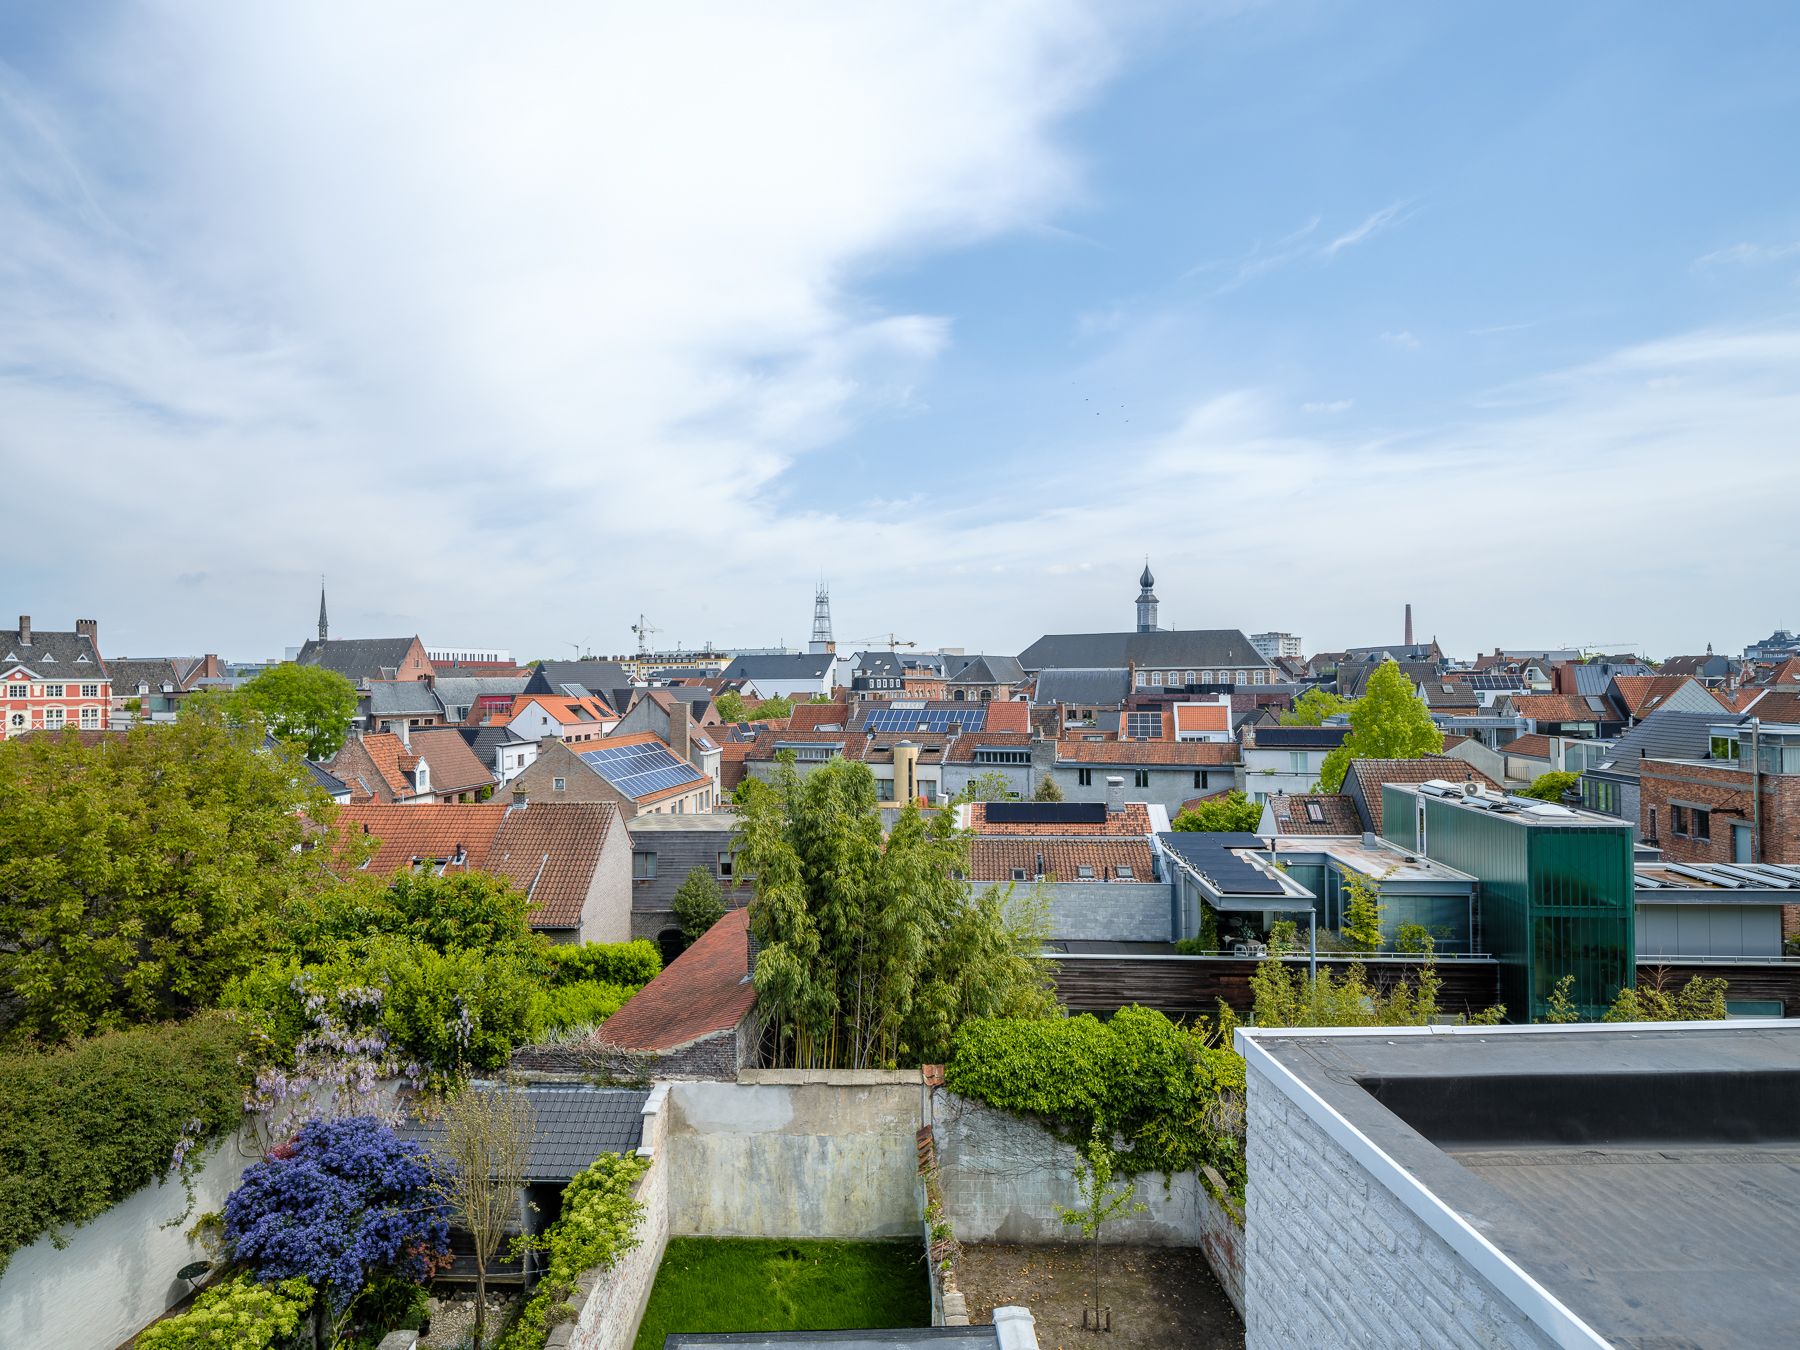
(938, 720)
(641, 769)
(1046, 813)
(1211, 854)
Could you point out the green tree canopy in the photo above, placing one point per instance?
(1550, 787)
(1047, 789)
(991, 786)
(307, 705)
(1231, 812)
(771, 708)
(140, 874)
(698, 904)
(730, 705)
(872, 950)
(1313, 707)
(1390, 721)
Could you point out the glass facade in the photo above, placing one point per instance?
(1555, 899)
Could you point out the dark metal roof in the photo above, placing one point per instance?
(1666, 734)
(792, 666)
(1101, 686)
(573, 1124)
(389, 698)
(1200, 648)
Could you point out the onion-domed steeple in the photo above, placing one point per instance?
(1146, 601)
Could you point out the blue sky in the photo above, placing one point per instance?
(519, 326)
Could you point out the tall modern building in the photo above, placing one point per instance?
(1272, 645)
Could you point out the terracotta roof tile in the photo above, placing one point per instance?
(1534, 746)
(962, 749)
(704, 991)
(994, 859)
(1147, 752)
(810, 716)
(1557, 708)
(1008, 716)
(454, 766)
(1643, 694)
(1315, 813)
(1202, 717)
(1372, 773)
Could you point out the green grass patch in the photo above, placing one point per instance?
(757, 1284)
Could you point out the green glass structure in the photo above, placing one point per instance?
(1556, 894)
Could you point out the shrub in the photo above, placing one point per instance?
(1551, 787)
(583, 1004)
(1232, 812)
(1162, 1088)
(699, 904)
(238, 1315)
(81, 1128)
(598, 1225)
(461, 912)
(633, 963)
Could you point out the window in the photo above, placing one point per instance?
(1018, 874)
(560, 784)
(1199, 778)
(1143, 679)
(90, 719)
(53, 691)
(53, 718)
(1085, 873)
(1653, 822)
(1315, 813)
(1190, 678)
(1296, 761)
(1140, 778)
(1260, 677)
(1143, 726)
(1206, 677)
(18, 691)
(643, 866)
(1702, 824)
(725, 861)
(90, 691)
(1724, 747)
(1085, 777)
(884, 789)
(1124, 873)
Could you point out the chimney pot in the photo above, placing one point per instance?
(1115, 794)
(24, 630)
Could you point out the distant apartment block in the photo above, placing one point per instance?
(1272, 645)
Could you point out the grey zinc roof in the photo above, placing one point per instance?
(572, 1124)
(403, 698)
(131, 673)
(1300, 738)
(594, 676)
(461, 691)
(52, 654)
(1100, 685)
(1201, 648)
(989, 670)
(791, 666)
(878, 663)
(1596, 677)
(357, 658)
(1666, 734)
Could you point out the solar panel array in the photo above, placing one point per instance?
(1212, 855)
(894, 720)
(640, 769)
(1045, 813)
(1496, 682)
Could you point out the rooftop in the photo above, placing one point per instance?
(1629, 1185)
(703, 991)
(572, 1124)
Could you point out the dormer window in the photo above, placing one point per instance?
(1125, 874)
(1084, 873)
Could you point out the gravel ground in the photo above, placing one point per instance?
(453, 1320)
(1162, 1298)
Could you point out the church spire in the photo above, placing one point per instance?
(323, 627)
(1146, 601)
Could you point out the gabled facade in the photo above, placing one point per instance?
(49, 681)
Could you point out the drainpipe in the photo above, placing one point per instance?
(1756, 789)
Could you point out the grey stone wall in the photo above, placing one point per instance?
(1106, 911)
(719, 1057)
(1168, 786)
(1333, 1258)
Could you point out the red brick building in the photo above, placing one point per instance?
(49, 681)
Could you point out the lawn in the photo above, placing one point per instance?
(756, 1284)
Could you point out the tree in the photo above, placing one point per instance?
(139, 875)
(460, 911)
(1551, 787)
(486, 1142)
(1390, 721)
(307, 705)
(772, 708)
(1313, 707)
(699, 903)
(871, 949)
(1701, 999)
(1361, 930)
(1047, 789)
(1231, 812)
(730, 705)
(344, 1201)
(1289, 997)
(992, 786)
(1101, 1201)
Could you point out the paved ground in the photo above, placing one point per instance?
(453, 1320)
(1162, 1298)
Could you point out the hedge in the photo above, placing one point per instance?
(84, 1126)
(633, 963)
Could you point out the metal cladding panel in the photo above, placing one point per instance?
(1582, 915)
(1493, 848)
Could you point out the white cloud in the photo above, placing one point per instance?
(1383, 219)
(1334, 406)
(1401, 338)
(1749, 255)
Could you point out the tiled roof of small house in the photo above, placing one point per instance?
(704, 991)
(1060, 860)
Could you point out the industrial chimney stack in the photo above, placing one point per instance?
(1409, 641)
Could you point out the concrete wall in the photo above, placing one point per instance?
(1333, 1258)
(1105, 911)
(796, 1155)
(117, 1273)
(611, 1302)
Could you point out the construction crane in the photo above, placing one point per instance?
(888, 639)
(644, 629)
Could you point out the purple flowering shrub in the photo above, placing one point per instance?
(342, 1202)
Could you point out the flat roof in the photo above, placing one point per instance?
(1680, 883)
(1388, 861)
(1525, 810)
(1636, 1184)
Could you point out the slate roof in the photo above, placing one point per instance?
(69, 655)
(357, 659)
(1132, 822)
(995, 859)
(1691, 665)
(1173, 754)
(884, 664)
(403, 698)
(454, 766)
(1370, 774)
(1294, 813)
(788, 666)
(1593, 677)
(1353, 676)
(989, 670)
(1103, 686)
(485, 741)
(1200, 647)
(1400, 651)
(1666, 734)
(703, 992)
(458, 694)
(572, 1125)
(129, 673)
(593, 676)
